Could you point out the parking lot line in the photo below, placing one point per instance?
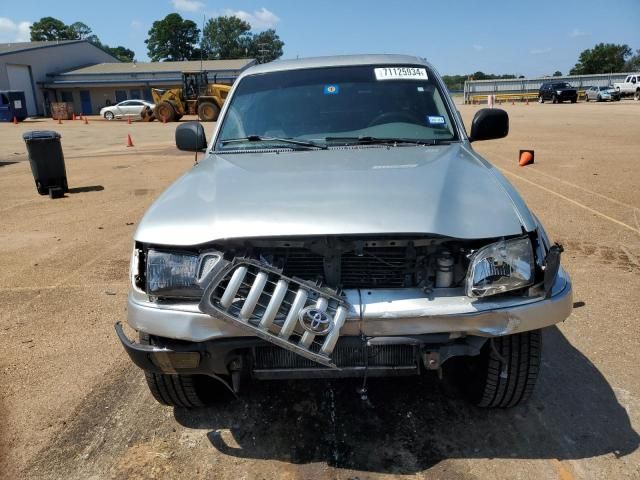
(575, 202)
(605, 197)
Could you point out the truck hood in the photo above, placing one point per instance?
(446, 190)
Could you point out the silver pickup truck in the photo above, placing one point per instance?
(341, 225)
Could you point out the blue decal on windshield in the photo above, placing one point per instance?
(331, 89)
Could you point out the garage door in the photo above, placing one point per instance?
(20, 79)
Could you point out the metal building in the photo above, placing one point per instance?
(93, 87)
(25, 65)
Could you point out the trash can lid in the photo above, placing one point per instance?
(40, 135)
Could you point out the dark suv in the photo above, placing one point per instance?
(557, 92)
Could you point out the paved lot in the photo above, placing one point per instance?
(72, 406)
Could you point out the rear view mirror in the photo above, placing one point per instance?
(488, 124)
(190, 137)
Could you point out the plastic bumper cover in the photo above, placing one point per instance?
(383, 312)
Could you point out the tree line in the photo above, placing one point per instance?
(49, 28)
(174, 38)
(602, 58)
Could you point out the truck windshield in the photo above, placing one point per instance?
(337, 106)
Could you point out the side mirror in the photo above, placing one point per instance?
(190, 137)
(489, 123)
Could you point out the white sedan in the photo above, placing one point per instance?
(127, 109)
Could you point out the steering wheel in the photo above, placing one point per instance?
(389, 117)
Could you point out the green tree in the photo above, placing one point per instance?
(121, 53)
(633, 64)
(266, 46)
(80, 31)
(557, 73)
(49, 28)
(172, 38)
(226, 37)
(603, 58)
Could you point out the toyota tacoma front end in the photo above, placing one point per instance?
(341, 225)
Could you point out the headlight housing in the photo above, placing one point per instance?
(177, 274)
(501, 267)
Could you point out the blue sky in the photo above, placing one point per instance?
(459, 36)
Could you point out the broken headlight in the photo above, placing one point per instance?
(500, 267)
(176, 274)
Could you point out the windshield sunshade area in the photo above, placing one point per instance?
(335, 107)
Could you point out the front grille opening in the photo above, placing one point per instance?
(348, 353)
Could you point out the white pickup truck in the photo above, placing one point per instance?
(630, 86)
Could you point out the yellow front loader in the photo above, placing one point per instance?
(196, 97)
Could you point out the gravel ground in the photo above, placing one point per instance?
(72, 405)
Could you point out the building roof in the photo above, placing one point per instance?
(161, 67)
(15, 47)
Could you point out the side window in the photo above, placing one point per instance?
(628, 79)
(124, 104)
(633, 79)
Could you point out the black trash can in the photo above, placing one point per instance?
(47, 162)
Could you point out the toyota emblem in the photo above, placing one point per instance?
(315, 321)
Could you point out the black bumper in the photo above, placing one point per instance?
(184, 357)
(379, 356)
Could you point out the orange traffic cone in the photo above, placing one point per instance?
(527, 103)
(129, 120)
(74, 116)
(59, 120)
(86, 120)
(15, 120)
(526, 158)
(129, 141)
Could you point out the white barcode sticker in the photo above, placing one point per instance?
(401, 73)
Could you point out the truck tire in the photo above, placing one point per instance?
(185, 391)
(637, 95)
(208, 112)
(504, 374)
(165, 112)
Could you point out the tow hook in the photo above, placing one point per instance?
(431, 360)
(236, 370)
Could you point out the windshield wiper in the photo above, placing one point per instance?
(288, 141)
(367, 140)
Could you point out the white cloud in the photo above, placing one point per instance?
(262, 19)
(477, 47)
(11, 31)
(540, 51)
(136, 24)
(187, 5)
(576, 32)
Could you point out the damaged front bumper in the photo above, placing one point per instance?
(376, 313)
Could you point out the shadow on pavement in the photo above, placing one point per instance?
(91, 188)
(4, 163)
(411, 424)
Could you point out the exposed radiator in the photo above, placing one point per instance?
(351, 354)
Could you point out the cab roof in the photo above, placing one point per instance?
(334, 61)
